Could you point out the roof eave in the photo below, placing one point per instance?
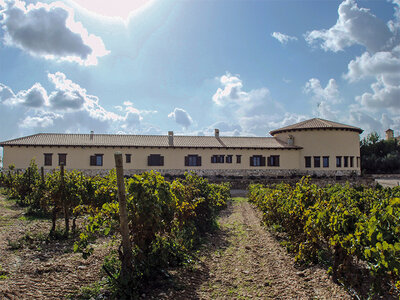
(273, 132)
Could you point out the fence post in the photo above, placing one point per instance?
(64, 199)
(42, 174)
(126, 268)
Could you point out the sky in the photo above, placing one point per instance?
(151, 66)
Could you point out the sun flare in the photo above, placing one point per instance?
(116, 9)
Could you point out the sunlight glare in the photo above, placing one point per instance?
(116, 8)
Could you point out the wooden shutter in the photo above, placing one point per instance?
(161, 160)
(186, 160)
(269, 161)
(251, 161)
(149, 160)
(277, 160)
(199, 160)
(262, 161)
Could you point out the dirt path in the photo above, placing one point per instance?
(244, 261)
(40, 269)
(241, 260)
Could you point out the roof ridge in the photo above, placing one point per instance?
(325, 122)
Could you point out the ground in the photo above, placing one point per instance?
(240, 260)
(34, 267)
(244, 261)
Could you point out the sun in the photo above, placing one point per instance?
(115, 9)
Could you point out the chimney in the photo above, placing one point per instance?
(170, 138)
(290, 140)
(91, 135)
(389, 134)
(216, 131)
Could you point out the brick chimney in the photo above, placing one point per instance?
(91, 135)
(216, 132)
(290, 140)
(170, 138)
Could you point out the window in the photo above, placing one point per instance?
(217, 159)
(96, 160)
(273, 161)
(325, 161)
(155, 160)
(48, 159)
(229, 159)
(193, 160)
(351, 161)
(62, 159)
(307, 161)
(317, 161)
(238, 159)
(338, 161)
(345, 161)
(257, 161)
(128, 158)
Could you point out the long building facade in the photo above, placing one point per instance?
(315, 146)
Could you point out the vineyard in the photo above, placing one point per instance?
(167, 220)
(350, 230)
(351, 233)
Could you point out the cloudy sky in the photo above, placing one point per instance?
(245, 67)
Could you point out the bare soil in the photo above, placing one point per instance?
(40, 268)
(244, 261)
(240, 260)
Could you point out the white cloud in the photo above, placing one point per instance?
(252, 110)
(38, 121)
(330, 93)
(68, 108)
(354, 26)
(181, 117)
(384, 96)
(5, 93)
(385, 64)
(231, 91)
(283, 38)
(49, 31)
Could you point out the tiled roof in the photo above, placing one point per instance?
(116, 140)
(316, 123)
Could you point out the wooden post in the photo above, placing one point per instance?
(64, 199)
(126, 268)
(42, 174)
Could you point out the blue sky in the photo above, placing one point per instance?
(150, 66)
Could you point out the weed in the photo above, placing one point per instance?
(3, 274)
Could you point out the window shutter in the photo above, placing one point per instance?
(269, 161)
(222, 159)
(262, 161)
(277, 161)
(251, 161)
(149, 160)
(186, 160)
(161, 160)
(92, 160)
(199, 160)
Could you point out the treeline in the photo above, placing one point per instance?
(379, 156)
(336, 226)
(167, 220)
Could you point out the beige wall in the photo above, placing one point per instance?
(79, 158)
(330, 143)
(321, 143)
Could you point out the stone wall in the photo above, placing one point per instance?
(228, 174)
